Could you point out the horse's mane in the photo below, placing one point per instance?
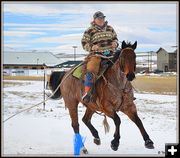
(118, 52)
(114, 59)
(128, 44)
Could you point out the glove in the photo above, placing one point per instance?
(95, 47)
(114, 44)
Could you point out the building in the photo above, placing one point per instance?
(167, 60)
(65, 66)
(68, 64)
(146, 61)
(22, 63)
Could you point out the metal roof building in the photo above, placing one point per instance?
(23, 59)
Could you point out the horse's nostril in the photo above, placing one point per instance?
(127, 75)
(130, 76)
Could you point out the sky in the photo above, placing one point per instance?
(58, 26)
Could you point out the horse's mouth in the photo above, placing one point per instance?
(130, 76)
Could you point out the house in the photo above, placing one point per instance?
(167, 60)
(24, 62)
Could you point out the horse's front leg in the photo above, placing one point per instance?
(115, 141)
(78, 141)
(148, 142)
(131, 112)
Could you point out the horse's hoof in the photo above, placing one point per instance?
(114, 145)
(149, 144)
(84, 150)
(97, 141)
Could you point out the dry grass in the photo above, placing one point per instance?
(36, 78)
(156, 84)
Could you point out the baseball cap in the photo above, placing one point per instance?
(98, 15)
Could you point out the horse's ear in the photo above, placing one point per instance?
(134, 45)
(123, 45)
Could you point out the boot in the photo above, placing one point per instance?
(87, 95)
(88, 87)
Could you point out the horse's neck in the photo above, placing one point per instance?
(115, 75)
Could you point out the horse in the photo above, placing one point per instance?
(113, 93)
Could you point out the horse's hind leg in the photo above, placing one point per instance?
(115, 141)
(87, 120)
(73, 111)
(132, 114)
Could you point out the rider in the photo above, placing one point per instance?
(99, 38)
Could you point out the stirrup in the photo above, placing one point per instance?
(86, 97)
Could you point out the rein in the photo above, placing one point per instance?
(123, 91)
(48, 96)
(104, 57)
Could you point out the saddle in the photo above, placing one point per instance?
(80, 71)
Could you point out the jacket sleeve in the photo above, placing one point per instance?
(86, 43)
(114, 38)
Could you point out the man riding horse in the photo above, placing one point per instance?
(99, 38)
(114, 94)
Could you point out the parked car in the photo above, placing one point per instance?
(142, 72)
(157, 71)
(5, 73)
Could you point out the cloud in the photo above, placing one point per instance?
(67, 49)
(25, 25)
(14, 45)
(128, 11)
(64, 39)
(63, 43)
(22, 33)
(30, 9)
(47, 9)
(131, 20)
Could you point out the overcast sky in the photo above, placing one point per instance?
(57, 26)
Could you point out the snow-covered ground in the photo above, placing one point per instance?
(49, 132)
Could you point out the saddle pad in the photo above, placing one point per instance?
(78, 72)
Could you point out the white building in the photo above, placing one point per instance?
(27, 63)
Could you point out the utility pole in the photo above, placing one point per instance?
(148, 61)
(74, 52)
(151, 61)
(37, 64)
(44, 86)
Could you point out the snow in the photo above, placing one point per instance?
(49, 132)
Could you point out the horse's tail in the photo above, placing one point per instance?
(54, 81)
(106, 125)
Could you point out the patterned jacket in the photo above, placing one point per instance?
(101, 36)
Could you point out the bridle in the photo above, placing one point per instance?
(121, 58)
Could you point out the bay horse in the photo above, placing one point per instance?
(113, 93)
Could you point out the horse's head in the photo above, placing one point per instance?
(128, 60)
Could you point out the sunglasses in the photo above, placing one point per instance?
(100, 18)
